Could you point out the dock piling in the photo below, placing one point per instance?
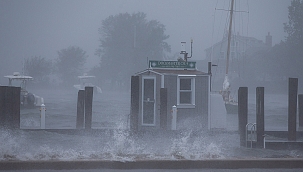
(300, 104)
(292, 108)
(80, 110)
(242, 113)
(10, 107)
(88, 107)
(134, 103)
(260, 116)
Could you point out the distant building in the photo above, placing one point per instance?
(241, 47)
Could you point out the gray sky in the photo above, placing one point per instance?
(43, 27)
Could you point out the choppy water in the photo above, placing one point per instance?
(110, 110)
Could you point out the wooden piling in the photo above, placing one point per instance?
(163, 108)
(260, 116)
(80, 110)
(2, 105)
(15, 112)
(10, 107)
(300, 104)
(88, 107)
(242, 113)
(134, 110)
(292, 108)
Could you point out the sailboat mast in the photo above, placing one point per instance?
(229, 36)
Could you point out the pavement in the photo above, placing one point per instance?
(218, 164)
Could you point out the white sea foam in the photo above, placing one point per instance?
(116, 144)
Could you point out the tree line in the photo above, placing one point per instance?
(127, 41)
(285, 59)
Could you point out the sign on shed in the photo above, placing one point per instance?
(172, 64)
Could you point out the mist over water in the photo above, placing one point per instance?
(110, 110)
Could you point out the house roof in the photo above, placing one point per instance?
(248, 40)
(173, 72)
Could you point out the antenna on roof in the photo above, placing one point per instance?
(183, 50)
(147, 63)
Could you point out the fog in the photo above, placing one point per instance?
(42, 27)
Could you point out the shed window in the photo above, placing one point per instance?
(186, 91)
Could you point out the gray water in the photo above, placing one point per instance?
(111, 110)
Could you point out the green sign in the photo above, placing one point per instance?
(172, 64)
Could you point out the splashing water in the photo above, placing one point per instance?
(120, 145)
(117, 144)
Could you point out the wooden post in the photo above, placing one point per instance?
(242, 113)
(260, 116)
(80, 110)
(300, 99)
(88, 107)
(2, 105)
(134, 110)
(292, 108)
(163, 108)
(15, 112)
(10, 107)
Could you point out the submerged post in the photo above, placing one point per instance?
(242, 113)
(163, 108)
(80, 110)
(174, 118)
(88, 107)
(300, 99)
(292, 108)
(260, 116)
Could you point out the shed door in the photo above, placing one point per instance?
(148, 111)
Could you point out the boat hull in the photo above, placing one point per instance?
(231, 107)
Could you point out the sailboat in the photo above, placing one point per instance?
(231, 105)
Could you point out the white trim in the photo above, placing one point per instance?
(162, 81)
(187, 75)
(148, 70)
(193, 91)
(142, 100)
